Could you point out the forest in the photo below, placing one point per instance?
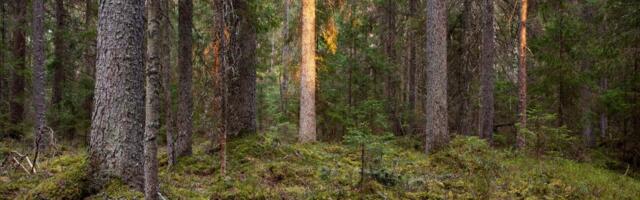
(319, 99)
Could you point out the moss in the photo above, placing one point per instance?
(116, 189)
(69, 182)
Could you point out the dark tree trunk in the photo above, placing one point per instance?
(437, 132)
(469, 61)
(3, 65)
(16, 101)
(42, 140)
(413, 68)
(185, 75)
(117, 129)
(152, 113)
(60, 55)
(487, 60)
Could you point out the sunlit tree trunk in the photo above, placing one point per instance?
(307, 129)
(522, 75)
(185, 74)
(42, 140)
(436, 105)
(18, 54)
(487, 60)
(117, 129)
(152, 112)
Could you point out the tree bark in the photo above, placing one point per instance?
(42, 140)
(3, 64)
(185, 74)
(16, 101)
(522, 75)
(436, 105)
(284, 77)
(487, 60)
(307, 130)
(90, 17)
(469, 61)
(59, 54)
(167, 79)
(413, 68)
(117, 129)
(152, 112)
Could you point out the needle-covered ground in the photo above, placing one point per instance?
(270, 167)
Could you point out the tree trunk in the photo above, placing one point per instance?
(185, 74)
(284, 80)
(436, 105)
(42, 140)
(487, 60)
(167, 79)
(59, 63)
(117, 129)
(469, 61)
(90, 17)
(16, 101)
(522, 75)
(152, 113)
(3, 64)
(413, 68)
(604, 86)
(59, 54)
(307, 132)
(389, 46)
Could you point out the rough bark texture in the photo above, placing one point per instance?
(42, 140)
(392, 84)
(240, 53)
(19, 51)
(284, 77)
(469, 62)
(3, 64)
(221, 108)
(185, 75)
(307, 129)
(436, 105)
(487, 60)
(522, 75)
(152, 112)
(413, 68)
(117, 129)
(90, 17)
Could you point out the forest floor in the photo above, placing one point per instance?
(270, 166)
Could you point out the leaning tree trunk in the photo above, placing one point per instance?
(522, 75)
(42, 140)
(487, 60)
(307, 132)
(117, 129)
(152, 113)
(436, 105)
(16, 100)
(185, 74)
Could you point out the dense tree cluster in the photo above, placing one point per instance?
(124, 76)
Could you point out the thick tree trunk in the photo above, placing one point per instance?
(152, 112)
(42, 140)
(19, 52)
(522, 75)
(185, 74)
(245, 62)
(469, 61)
(437, 118)
(307, 129)
(487, 60)
(117, 129)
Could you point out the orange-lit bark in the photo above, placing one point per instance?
(522, 74)
(308, 74)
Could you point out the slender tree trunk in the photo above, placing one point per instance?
(413, 68)
(221, 108)
(308, 73)
(522, 75)
(604, 86)
(117, 129)
(3, 63)
(284, 81)
(42, 141)
(167, 79)
(90, 17)
(389, 46)
(437, 123)
(152, 112)
(185, 74)
(16, 101)
(468, 63)
(59, 54)
(486, 71)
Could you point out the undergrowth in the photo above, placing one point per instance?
(271, 166)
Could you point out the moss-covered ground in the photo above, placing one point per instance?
(272, 167)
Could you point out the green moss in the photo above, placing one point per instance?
(116, 189)
(69, 182)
